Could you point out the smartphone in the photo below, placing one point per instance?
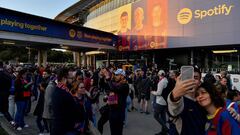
(187, 72)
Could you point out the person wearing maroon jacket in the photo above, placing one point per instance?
(87, 81)
(22, 94)
(117, 98)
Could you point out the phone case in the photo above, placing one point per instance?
(187, 72)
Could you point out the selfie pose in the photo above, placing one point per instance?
(190, 116)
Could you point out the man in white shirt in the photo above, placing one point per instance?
(161, 105)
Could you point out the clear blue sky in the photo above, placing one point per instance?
(44, 8)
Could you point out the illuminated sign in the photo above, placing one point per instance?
(13, 21)
(72, 33)
(217, 10)
(148, 26)
(185, 15)
(156, 24)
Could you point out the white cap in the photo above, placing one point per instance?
(161, 72)
(120, 71)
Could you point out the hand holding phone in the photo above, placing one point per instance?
(182, 87)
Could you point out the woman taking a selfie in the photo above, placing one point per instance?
(220, 121)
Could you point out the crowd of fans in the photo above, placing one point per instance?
(68, 99)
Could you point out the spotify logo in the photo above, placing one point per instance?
(184, 16)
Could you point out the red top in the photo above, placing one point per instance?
(87, 83)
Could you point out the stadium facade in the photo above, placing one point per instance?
(166, 32)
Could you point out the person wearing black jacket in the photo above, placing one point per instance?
(39, 109)
(5, 85)
(64, 107)
(138, 84)
(104, 111)
(146, 85)
(119, 90)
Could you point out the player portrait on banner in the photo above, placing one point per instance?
(138, 30)
(157, 23)
(124, 32)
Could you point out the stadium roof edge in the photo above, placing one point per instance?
(80, 7)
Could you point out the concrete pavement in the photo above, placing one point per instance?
(137, 124)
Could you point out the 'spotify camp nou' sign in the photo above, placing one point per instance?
(155, 24)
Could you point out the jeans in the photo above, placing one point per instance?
(127, 107)
(49, 124)
(28, 106)
(19, 117)
(71, 133)
(160, 115)
(11, 104)
(94, 118)
(35, 91)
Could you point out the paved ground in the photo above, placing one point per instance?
(138, 124)
(30, 120)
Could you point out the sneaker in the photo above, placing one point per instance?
(18, 128)
(12, 123)
(26, 125)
